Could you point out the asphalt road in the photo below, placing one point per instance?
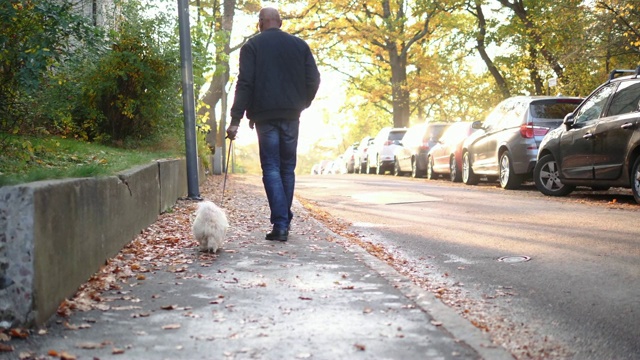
(546, 277)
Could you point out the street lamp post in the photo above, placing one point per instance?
(188, 100)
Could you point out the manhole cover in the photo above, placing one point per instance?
(514, 259)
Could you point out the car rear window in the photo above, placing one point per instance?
(435, 131)
(553, 109)
(396, 135)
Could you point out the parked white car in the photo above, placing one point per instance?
(381, 155)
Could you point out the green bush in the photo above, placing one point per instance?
(61, 76)
(133, 91)
(40, 35)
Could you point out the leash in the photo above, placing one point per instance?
(226, 171)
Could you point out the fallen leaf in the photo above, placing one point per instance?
(89, 345)
(367, 310)
(124, 308)
(169, 307)
(436, 323)
(171, 327)
(360, 347)
(6, 348)
(116, 351)
(67, 356)
(304, 298)
(70, 326)
(26, 355)
(19, 333)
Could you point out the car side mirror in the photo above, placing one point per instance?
(476, 125)
(569, 120)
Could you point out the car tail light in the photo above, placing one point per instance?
(388, 143)
(528, 130)
(424, 147)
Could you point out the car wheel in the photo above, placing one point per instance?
(468, 177)
(370, 169)
(379, 169)
(396, 167)
(635, 180)
(414, 168)
(430, 174)
(454, 172)
(547, 179)
(508, 178)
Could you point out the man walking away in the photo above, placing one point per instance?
(278, 79)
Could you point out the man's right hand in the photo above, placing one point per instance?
(232, 131)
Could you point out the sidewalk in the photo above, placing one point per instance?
(313, 297)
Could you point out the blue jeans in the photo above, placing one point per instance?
(278, 142)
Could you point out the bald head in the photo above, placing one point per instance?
(269, 18)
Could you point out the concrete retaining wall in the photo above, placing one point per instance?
(54, 235)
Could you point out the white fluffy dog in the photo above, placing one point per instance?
(210, 226)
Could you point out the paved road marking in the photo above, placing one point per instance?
(393, 197)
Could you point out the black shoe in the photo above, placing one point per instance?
(277, 234)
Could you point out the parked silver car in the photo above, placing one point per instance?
(349, 159)
(445, 157)
(381, 153)
(416, 143)
(505, 147)
(361, 154)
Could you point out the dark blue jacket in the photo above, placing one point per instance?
(278, 78)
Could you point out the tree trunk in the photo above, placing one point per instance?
(399, 92)
(534, 74)
(210, 100)
(217, 86)
(481, 47)
(534, 33)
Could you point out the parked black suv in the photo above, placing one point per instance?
(599, 144)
